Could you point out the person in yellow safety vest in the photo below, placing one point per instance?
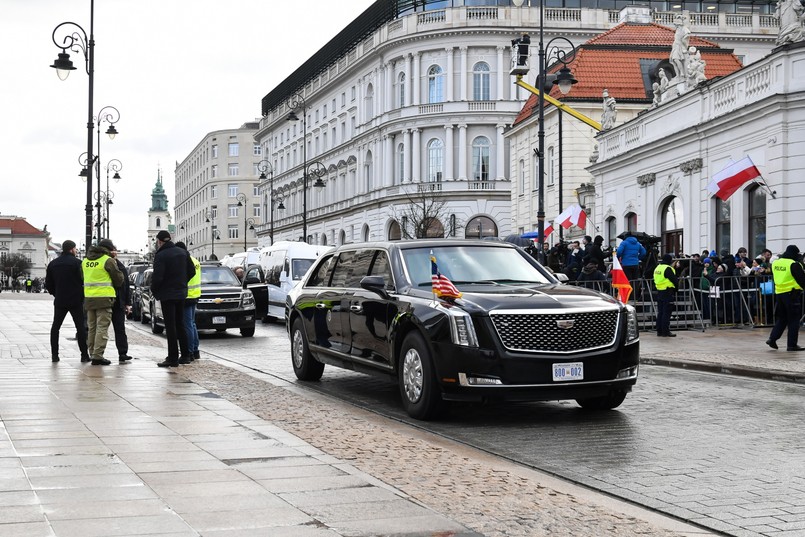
(193, 294)
(101, 276)
(789, 281)
(666, 281)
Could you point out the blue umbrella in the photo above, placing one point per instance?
(530, 235)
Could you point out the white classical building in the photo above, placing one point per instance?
(654, 170)
(408, 106)
(217, 193)
(18, 237)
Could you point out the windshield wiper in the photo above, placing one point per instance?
(501, 281)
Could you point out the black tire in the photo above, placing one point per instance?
(155, 328)
(304, 365)
(143, 317)
(606, 402)
(420, 392)
(135, 314)
(247, 332)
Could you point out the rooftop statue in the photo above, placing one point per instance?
(679, 50)
(695, 68)
(790, 13)
(610, 113)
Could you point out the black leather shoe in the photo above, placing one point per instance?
(85, 358)
(670, 334)
(101, 361)
(185, 360)
(794, 349)
(54, 358)
(196, 355)
(168, 364)
(124, 358)
(771, 343)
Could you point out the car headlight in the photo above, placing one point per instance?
(632, 333)
(247, 299)
(462, 330)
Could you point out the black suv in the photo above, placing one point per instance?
(516, 334)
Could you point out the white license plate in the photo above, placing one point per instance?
(219, 320)
(572, 371)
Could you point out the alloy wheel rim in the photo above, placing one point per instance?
(412, 375)
(298, 349)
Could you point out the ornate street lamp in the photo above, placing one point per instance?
(264, 167)
(114, 165)
(209, 217)
(247, 223)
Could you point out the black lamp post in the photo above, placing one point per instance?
(247, 223)
(264, 167)
(78, 41)
(564, 79)
(209, 217)
(297, 103)
(111, 115)
(114, 165)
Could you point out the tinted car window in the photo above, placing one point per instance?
(360, 267)
(381, 267)
(321, 278)
(342, 269)
(218, 276)
(300, 267)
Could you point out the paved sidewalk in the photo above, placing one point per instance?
(136, 450)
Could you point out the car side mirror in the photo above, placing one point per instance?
(561, 276)
(252, 279)
(375, 284)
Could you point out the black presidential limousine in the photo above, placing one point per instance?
(515, 334)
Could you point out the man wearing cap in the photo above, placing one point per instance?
(666, 281)
(789, 281)
(172, 270)
(65, 281)
(101, 276)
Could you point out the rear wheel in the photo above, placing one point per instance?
(247, 332)
(606, 402)
(304, 365)
(421, 396)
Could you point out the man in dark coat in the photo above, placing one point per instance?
(594, 254)
(120, 309)
(789, 282)
(172, 270)
(65, 281)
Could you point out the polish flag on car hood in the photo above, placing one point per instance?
(727, 181)
(572, 216)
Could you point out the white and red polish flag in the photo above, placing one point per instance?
(572, 216)
(620, 281)
(547, 230)
(724, 183)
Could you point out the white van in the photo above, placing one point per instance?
(284, 264)
(242, 259)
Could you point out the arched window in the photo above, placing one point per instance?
(342, 237)
(630, 222)
(723, 225)
(757, 220)
(480, 81)
(435, 84)
(368, 171)
(435, 160)
(480, 158)
(324, 239)
(401, 90)
(430, 228)
(612, 232)
(672, 222)
(398, 177)
(395, 232)
(480, 227)
(522, 177)
(159, 222)
(370, 102)
(365, 233)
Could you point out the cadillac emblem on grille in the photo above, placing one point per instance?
(565, 324)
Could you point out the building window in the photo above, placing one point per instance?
(723, 225)
(234, 150)
(435, 160)
(232, 230)
(317, 116)
(343, 99)
(480, 158)
(256, 210)
(630, 222)
(354, 93)
(215, 151)
(233, 170)
(324, 112)
(233, 210)
(480, 82)
(612, 232)
(400, 164)
(256, 190)
(401, 90)
(435, 84)
(232, 190)
(370, 102)
(480, 227)
(551, 167)
(214, 170)
(214, 211)
(672, 222)
(522, 177)
(213, 191)
(257, 150)
(757, 221)
(324, 141)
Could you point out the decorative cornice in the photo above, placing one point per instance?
(646, 179)
(690, 166)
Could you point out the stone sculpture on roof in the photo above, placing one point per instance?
(790, 13)
(679, 50)
(610, 113)
(695, 68)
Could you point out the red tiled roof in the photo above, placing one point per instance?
(19, 226)
(612, 61)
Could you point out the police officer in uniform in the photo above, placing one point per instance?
(789, 281)
(193, 294)
(101, 276)
(666, 281)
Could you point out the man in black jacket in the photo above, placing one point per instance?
(64, 280)
(172, 270)
(120, 309)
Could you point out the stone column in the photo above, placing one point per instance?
(406, 178)
(416, 156)
(407, 80)
(415, 79)
(462, 84)
(449, 74)
(448, 153)
(462, 152)
(389, 73)
(499, 165)
(388, 160)
(501, 70)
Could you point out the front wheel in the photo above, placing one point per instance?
(421, 396)
(606, 402)
(304, 365)
(247, 332)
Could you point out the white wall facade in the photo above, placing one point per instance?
(673, 151)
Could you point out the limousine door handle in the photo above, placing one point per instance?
(356, 308)
(321, 305)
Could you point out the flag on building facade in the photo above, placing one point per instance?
(572, 216)
(724, 183)
(442, 286)
(620, 281)
(547, 230)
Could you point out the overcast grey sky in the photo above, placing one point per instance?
(175, 69)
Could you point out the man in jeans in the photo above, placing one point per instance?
(193, 294)
(65, 281)
(172, 270)
(121, 308)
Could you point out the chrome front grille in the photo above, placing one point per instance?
(554, 331)
(219, 303)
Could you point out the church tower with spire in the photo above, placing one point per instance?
(159, 217)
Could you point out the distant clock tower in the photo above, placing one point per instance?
(159, 217)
